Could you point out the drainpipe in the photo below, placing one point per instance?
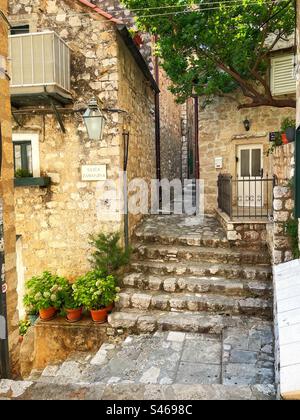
(157, 120)
(197, 158)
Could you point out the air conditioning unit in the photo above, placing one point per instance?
(283, 75)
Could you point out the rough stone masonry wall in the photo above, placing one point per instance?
(222, 130)
(170, 123)
(170, 111)
(7, 191)
(137, 98)
(278, 240)
(283, 167)
(55, 223)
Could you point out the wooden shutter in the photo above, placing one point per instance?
(282, 75)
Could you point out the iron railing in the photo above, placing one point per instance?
(247, 197)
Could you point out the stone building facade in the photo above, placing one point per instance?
(54, 223)
(170, 111)
(221, 132)
(7, 228)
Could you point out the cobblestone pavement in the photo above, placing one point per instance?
(171, 365)
(240, 357)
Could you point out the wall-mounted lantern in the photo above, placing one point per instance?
(247, 124)
(94, 120)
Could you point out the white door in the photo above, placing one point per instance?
(250, 174)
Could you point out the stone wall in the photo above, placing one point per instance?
(55, 223)
(170, 123)
(6, 189)
(222, 131)
(170, 111)
(137, 98)
(279, 242)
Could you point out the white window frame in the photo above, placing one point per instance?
(35, 147)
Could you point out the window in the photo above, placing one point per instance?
(23, 158)
(26, 155)
(282, 75)
(19, 29)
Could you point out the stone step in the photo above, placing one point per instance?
(193, 253)
(194, 302)
(176, 284)
(136, 322)
(245, 272)
(212, 241)
(13, 390)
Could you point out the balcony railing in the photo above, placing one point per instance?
(40, 62)
(246, 198)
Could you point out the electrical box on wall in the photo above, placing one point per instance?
(219, 163)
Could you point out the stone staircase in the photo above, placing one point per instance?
(187, 277)
(197, 314)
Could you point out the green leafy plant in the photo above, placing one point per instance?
(23, 327)
(45, 291)
(291, 228)
(212, 48)
(68, 298)
(287, 123)
(108, 256)
(95, 290)
(23, 173)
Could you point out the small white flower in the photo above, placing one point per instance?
(46, 295)
(53, 297)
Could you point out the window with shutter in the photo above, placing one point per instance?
(282, 75)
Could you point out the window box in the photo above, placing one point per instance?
(32, 182)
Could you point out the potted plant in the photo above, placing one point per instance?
(24, 326)
(109, 293)
(288, 129)
(90, 291)
(45, 293)
(73, 311)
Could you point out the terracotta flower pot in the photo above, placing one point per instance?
(47, 314)
(110, 308)
(99, 316)
(74, 315)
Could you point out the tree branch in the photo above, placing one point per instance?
(264, 101)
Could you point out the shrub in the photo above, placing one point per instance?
(108, 256)
(45, 291)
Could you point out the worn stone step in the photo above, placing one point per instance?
(162, 231)
(216, 255)
(21, 390)
(136, 321)
(203, 269)
(195, 302)
(177, 284)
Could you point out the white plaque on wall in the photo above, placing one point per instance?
(93, 173)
